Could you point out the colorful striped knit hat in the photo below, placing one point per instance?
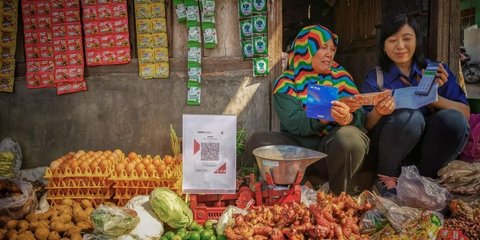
(295, 80)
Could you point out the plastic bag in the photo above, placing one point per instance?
(114, 221)
(460, 177)
(150, 226)
(227, 220)
(18, 206)
(9, 145)
(414, 190)
(401, 218)
(372, 221)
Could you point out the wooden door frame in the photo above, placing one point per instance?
(275, 36)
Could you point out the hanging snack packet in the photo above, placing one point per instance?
(259, 6)
(193, 95)
(159, 25)
(194, 37)
(194, 56)
(259, 24)
(260, 45)
(208, 7)
(158, 9)
(146, 55)
(144, 26)
(247, 48)
(162, 70)
(245, 8)
(210, 37)
(181, 10)
(146, 70)
(193, 14)
(145, 40)
(159, 40)
(195, 74)
(161, 54)
(260, 66)
(246, 28)
(143, 11)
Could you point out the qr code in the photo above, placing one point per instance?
(210, 151)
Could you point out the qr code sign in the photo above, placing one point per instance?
(210, 151)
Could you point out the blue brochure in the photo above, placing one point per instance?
(319, 101)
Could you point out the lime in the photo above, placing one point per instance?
(221, 237)
(169, 235)
(192, 225)
(182, 234)
(177, 237)
(196, 228)
(206, 234)
(163, 238)
(187, 235)
(195, 236)
(212, 238)
(208, 224)
(181, 230)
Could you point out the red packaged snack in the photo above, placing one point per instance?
(94, 58)
(58, 16)
(92, 43)
(47, 79)
(28, 38)
(76, 73)
(75, 58)
(30, 24)
(74, 29)
(33, 80)
(44, 23)
(108, 57)
(28, 9)
(121, 40)
(61, 74)
(59, 31)
(105, 27)
(72, 15)
(89, 2)
(45, 37)
(58, 4)
(107, 41)
(120, 11)
(61, 60)
(64, 88)
(74, 44)
(33, 66)
(46, 66)
(72, 3)
(120, 26)
(90, 28)
(123, 55)
(90, 13)
(449, 234)
(105, 12)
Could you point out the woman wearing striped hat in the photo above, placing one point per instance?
(311, 62)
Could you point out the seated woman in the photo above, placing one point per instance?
(428, 137)
(311, 62)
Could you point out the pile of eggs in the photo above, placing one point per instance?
(148, 164)
(81, 160)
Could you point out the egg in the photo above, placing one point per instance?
(147, 161)
(130, 167)
(132, 156)
(168, 159)
(139, 168)
(83, 166)
(150, 169)
(161, 169)
(156, 162)
(93, 165)
(74, 164)
(119, 167)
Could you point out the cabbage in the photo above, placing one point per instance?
(170, 208)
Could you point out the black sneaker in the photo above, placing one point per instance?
(385, 186)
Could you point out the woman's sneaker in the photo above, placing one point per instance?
(385, 186)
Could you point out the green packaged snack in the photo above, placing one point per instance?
(208, 21)
(260, 45)
(194, 56)
(194, 37)
(208, 7)
(259, 24)
(245, 8)
(247, 48)
(260, 66)
(181, 10)
(210, 37)
(193, 14)
(246, 28)
(259, 6)
(193, 94)
(195, 74)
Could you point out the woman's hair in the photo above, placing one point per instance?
(392, 26)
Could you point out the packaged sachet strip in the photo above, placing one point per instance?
(195, 74)
(6, 83)
(145, 40)
(193, 94)
(210, 37)
(64, 88)
(247, 48)
(208, 7)
(144, 26)
(245, 8)
(162, 70)
(143, 11)
(260, 45)
(194, 56)
(259, 6)
(260, 66)
(160, 40)
(158, 10)
(208, 21)
(180, 10)
(194, 36)
(259, 24)
(146, 70)
(193, 13)
(159, 25)
(161, 54)
(246, 28)
(146, 55)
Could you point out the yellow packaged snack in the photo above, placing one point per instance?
(7, 38)
(146, 55)
(144, 26)
(6, 83)
(161, 54)
(160, 40)
(7, 51)
(161, 70)
(146, 70)
(159, 25)
(145, 41)
(158, 10)
(143, 11)
(7, 66)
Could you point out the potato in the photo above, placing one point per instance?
(67, 202)
(54, 235)
(42, 233)
(22, 226)
(86, 203)
(12, 224)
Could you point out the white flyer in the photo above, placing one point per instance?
(406, 97)
(209, 153)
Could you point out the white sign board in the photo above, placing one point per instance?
(209, 153)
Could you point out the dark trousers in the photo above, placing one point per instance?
(425, 139)
(345, 146)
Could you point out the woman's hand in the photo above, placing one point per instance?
(442, 75)
(352, 102)
(341, 113)
(385, 106)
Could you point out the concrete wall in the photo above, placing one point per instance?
(121, 111)
(471, 40)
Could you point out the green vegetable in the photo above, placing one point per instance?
(170, 208)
